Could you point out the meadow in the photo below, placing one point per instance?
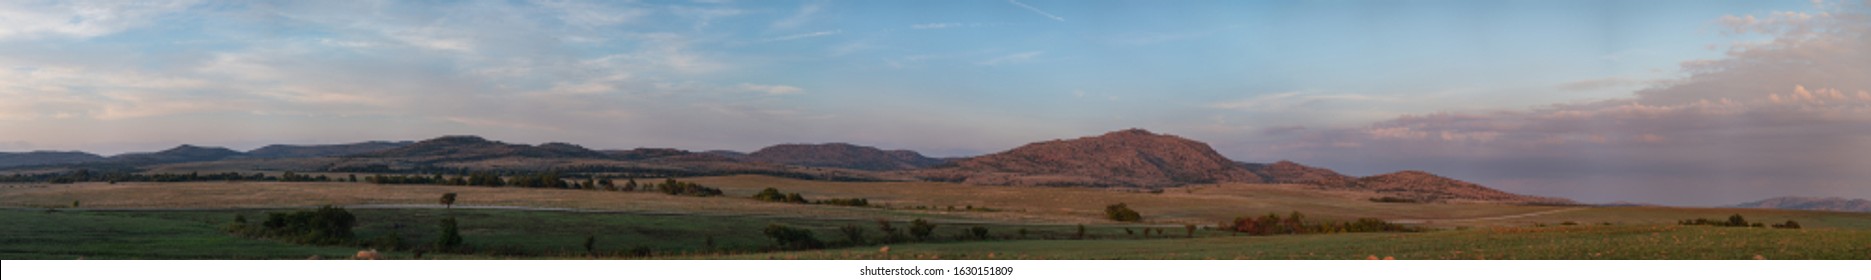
(184, 221)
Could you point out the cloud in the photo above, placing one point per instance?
(80, 19)
(1287, 101)
(935, 25)
(805, 35)
(1599, 84)
(800, 17)
(1036, 10)
(1011, 58)
(1780, 117)
(771, 89)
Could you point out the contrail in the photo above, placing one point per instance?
(1036, 10)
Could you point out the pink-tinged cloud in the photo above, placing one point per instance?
(1789, 116)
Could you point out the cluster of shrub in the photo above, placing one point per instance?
(329, 225)
(793, 238)
(774, 195)
(86, 175)
(1295, 223)
(1122, 213)
(1737, 220)
(547, 180)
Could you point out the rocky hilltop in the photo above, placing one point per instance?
(842, 155)
(1811, 203)
(1133, 157)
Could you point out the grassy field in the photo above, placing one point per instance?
(1204, 205)
(1576, 242)
(182, 220)
(560, 235)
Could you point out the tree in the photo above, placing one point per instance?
(980, 232)
(891, 234)
(353, 178)
(630, 185)
(451, 235)
(1081, 232)
(1122, 213)
(448, 199)
(606, 183)
(1737, 221)
(853, 234)
(921, 229)
(792, 238)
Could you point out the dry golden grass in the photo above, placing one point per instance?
(219, 195)
(1204, 205)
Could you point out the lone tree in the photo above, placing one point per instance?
(448, 200)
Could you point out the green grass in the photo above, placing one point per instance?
(72, 235)
(1580, 242)
(495, 233)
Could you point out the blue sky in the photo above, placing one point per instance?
(1454, 87)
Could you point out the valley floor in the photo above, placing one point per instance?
(183, 221)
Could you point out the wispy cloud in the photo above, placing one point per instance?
(1297, 100)
(805, 35)
(1036, 10)
(771, 89)
(1011, 58)
(799, 17)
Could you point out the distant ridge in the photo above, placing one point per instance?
(842, 155)
(46, 158)
(447, 148)
(312, 151)
(1811, 203)
(183, 153)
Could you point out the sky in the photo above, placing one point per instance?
(1671, 102)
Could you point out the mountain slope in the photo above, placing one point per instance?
(456, 148)
(46, 158)
(1423, 186)
(311, 151)
(1134, 158)
(1811, 203)
(842, 155)
(1287, 172)
(183, 153)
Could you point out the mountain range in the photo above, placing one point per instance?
(1132, 158)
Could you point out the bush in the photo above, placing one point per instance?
(325, 226)
(450, 236)
(673, 187)
(770, 194)
(980, 232)
(1790, 224)
(921, 229)
(858, 202)
(1392, 199)
(792, 238)
(853, 234)
(1122, 213)
(891, 234)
